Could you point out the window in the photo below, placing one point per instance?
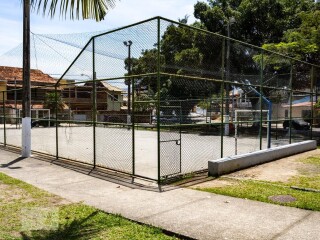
(114, 97)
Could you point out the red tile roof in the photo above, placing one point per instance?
(12, 73)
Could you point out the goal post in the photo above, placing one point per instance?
(245, 116)
(37, 113)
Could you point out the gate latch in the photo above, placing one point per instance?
(178, 142)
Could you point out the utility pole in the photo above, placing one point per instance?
(26, 89)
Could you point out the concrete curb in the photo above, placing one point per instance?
(237, 162)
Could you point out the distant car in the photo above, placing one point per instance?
(297, 124)
(167, 120)
(44, 122)
(114, 119)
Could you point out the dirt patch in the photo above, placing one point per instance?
(277, 171)
(214, 183)
(9, 194)
(282, 198)
(281, 170)
(58, 201)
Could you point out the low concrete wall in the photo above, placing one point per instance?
(237, 162)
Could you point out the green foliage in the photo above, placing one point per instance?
(74, 221)
(256, 21)
(144, 102)
(261, 191)
(53, 101)
(302, 42)
(94, 9)
(308, 177)
(317, 104)
(190, 57)
(183, 51)
(284, 26)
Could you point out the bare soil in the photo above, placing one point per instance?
(276, 171)
(9, 193)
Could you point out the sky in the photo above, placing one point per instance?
(125, 12)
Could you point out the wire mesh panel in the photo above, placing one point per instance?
(244, 99)
(301, 103)
(75, 109)
(114, 146)
(13, 135)
(170, 153)
(144, 119)
(44, 139)
(2, 129)
(12, 125)
(2, 119)
(249, 136)
(159, 99)
(2, 134)
(75, 141)
(277, 81)
(170, 138)
(191, 66)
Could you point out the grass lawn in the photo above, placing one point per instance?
(27, 212)
(306, 184)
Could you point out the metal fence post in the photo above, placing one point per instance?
(290, 110)
(312, 101)
(94, 101)
(132, 124)
(56, 117)
(4, 120)
(222, 95)
(260, 99)
(158, 100)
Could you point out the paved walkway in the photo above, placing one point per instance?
(188, 212)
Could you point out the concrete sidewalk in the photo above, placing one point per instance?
(187, 212)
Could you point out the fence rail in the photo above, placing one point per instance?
(194, 96)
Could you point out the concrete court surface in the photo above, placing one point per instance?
(191, 213)
(114, 148)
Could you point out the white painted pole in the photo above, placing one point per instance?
(26, 137)
(226, 125)
(26, 99)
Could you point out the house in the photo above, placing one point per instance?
(79, 98)
(301, 107)
(11, 88)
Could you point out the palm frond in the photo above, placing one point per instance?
(93, 9)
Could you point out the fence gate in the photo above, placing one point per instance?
(170, 141)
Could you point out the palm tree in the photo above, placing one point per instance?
(94, 9)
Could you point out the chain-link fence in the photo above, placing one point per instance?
(159, 99)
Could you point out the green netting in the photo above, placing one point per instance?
(158, 99)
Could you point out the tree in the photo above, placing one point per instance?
(53, 101)
(95, 9)
(183, 52)
(257, 21)
(302, 42)
(285, 26)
